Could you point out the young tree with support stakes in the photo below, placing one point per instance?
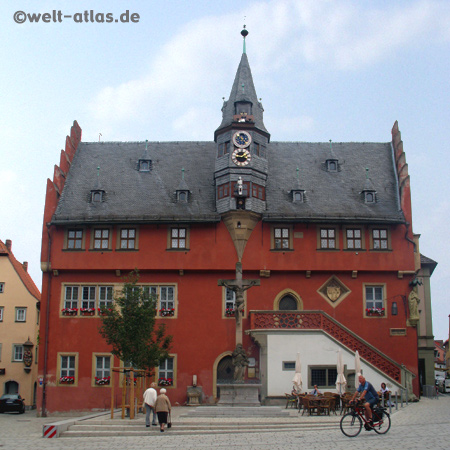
(129, 327)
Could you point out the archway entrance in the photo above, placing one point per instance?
(11, 387)
(225, 372)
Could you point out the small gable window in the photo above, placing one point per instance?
(182, 196)
(145, 165)
(97, 196)
(369, 197)
(332, 165)
(297, 196)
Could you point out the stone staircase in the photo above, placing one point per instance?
(208, 420)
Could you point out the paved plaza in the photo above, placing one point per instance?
(422, 425)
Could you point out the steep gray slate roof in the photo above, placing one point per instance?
(332, 195)
(133, 196)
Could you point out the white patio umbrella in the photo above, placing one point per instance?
(297, 380)
(357, 369)
(340, 380)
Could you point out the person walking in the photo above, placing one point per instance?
(162, 408)
(150, 396)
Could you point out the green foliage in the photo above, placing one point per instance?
(130, 328)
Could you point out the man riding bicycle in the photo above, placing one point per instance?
(369, 394)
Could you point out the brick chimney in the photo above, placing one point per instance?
(25, 266)
(8, 244)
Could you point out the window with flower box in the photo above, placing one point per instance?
(167, 300)
(88, 299)
(102, 370)
(67, 368)
(166, 372)
(230, 302)
(105, 297)
(70, 300)
(374, 301)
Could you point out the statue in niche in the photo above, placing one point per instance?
(240, 362)
(413, 301)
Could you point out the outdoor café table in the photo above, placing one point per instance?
(316, 404)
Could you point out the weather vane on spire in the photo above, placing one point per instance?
(244, 34)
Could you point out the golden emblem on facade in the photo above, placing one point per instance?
(333, 292)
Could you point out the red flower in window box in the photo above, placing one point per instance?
(102, 381)
(229, 312)
(67, 380)
(375, 311)
(69, 311)
(165, 382)
(87, 311)
(167, 312)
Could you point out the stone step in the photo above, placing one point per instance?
(184, 429)
(251, 411)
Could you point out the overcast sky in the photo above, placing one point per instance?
(340, 70)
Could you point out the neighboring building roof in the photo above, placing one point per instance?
(133, 196)
(23, 274)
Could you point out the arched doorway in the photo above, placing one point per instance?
(223, 372)
(11, 387)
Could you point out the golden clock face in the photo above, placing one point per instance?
(242, 139)
(241, 156)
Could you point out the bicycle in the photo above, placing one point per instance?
(351, 423)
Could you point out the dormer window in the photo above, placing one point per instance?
(182, 196)
(297, 196)
(332, 165)
(145, 165)
(369, 197)
(96, 196)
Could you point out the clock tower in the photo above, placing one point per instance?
(241, 161)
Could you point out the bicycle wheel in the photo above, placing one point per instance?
(381, 426)
(351, 425)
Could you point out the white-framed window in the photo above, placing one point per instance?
(150, 291)
(2, 288)
(102, 367)
(21, 314)
(17, 352)
(67, 368)
(374, 297)
(230, 299)
(71, 297)
(166, 369)
(105, 296)
(88, 299)
(101, 238)
(166, 297)
(1, 313)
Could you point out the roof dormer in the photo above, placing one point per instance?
(182, 193)
(144, 162)
(369, 193)
(97, 193)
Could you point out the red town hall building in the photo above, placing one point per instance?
(326, 228)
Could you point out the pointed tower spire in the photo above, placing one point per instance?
(243, 99)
